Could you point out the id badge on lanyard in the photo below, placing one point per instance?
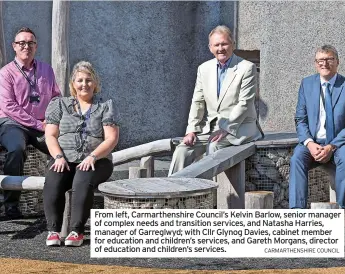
(34, 97)
(81, 128)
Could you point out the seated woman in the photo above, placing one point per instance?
(81, 133)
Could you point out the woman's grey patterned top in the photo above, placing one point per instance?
(78, 136)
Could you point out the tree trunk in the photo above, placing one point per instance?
(60, 60)
(2, 40)
(66, 215)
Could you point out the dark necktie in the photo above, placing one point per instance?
(329, 115)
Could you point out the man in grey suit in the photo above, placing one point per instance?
(225, 88)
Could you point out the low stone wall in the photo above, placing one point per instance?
(269, 170)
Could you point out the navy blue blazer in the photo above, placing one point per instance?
(308, 109)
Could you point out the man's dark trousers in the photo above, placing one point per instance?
(301, 162)
(14, 138)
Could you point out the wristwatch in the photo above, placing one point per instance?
(58, 156)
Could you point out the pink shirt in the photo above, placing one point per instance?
(15, 92)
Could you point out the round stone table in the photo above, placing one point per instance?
(157, 193)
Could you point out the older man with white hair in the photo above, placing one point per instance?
(225, 88)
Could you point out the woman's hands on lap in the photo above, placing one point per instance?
(88, 162)
(59, 165)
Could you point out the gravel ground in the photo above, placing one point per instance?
(25, 239)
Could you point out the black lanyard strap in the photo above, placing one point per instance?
(84, 118)
(31, 83)
(87, 114)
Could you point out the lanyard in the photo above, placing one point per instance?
(85, 118)
(31, 83)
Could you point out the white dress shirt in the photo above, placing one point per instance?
(320, 128)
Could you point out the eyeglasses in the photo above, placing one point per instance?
(325, 60)
(22, 44)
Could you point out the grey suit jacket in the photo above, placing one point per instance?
(234, 109)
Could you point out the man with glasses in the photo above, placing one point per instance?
(26, 88)
(320, 125)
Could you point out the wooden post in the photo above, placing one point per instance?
(2, 40)
(66, 215)
(230, 193)
(137, 172)
(329, 168)
(324, 205)
(60, 16)
(332, 194)
(259, 200)
(148, 163)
